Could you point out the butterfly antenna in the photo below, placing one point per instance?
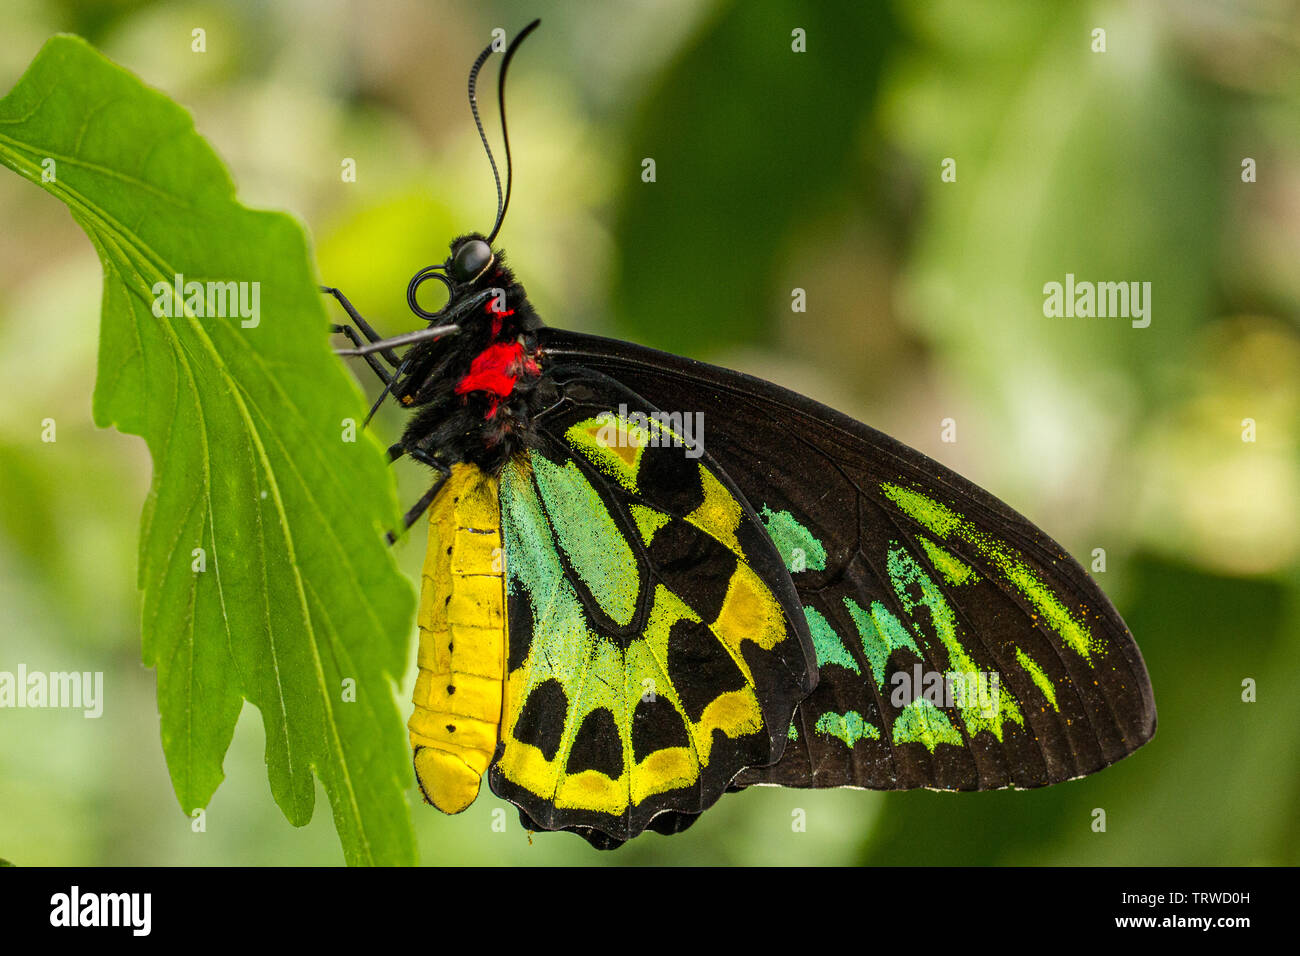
(503, 199)
(473, 108)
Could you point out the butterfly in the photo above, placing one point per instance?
(650, 581)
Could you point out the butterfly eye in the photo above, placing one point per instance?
(471, 260)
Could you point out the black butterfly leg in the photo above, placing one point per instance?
(368, 331)
(419, 508)
(366, 328)
(385, 376)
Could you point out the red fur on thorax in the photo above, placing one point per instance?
(497, 316)
(497, 368)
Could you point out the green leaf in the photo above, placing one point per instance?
(244, 421)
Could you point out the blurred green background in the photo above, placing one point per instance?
(775, 170)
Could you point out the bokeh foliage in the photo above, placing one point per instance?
(775, 170)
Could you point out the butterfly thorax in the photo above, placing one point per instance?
(474, 392)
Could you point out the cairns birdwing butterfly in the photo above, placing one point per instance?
(624, 615)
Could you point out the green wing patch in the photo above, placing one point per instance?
(799, 547)
(922, 683)
(1011, 565)
(850, 727)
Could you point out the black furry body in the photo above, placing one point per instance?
(480, 426)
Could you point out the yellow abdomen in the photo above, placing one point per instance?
(458, 693)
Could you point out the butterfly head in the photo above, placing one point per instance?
(479, 287)
(471, 257)
(474, 269)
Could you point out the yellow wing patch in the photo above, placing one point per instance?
(719, 514)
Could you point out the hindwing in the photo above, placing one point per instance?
(657, 646)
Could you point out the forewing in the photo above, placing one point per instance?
(657, 646)
(958, 646)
